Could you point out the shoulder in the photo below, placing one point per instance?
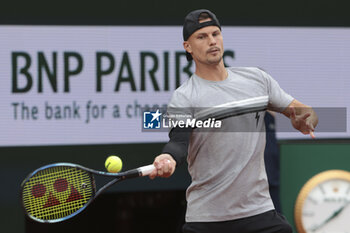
(185, 87)
(182, 95)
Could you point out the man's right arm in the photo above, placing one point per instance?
(173, 154)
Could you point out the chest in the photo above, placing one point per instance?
(213, 95)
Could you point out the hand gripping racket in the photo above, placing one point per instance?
(57, 192)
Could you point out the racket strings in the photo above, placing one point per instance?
(57, 192)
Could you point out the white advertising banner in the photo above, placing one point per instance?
(64, 85)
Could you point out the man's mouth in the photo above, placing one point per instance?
(213, 50)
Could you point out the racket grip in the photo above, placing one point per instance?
(146, 170)
(137, 172)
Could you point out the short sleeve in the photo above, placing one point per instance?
(278, 98)
(179, 108)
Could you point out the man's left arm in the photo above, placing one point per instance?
(303, 117)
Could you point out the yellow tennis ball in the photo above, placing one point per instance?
(113, 164)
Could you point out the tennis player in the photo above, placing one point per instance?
(229, 190)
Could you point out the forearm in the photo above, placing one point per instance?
(177, 150)
(174, 153)
(178, 144)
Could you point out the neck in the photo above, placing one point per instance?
(213, 72)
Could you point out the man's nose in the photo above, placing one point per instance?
(212, 40)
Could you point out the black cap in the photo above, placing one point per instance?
(192, 24)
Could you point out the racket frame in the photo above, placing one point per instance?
(137, 172)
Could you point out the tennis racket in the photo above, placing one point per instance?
(60, 191)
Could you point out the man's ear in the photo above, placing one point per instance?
(187, 47)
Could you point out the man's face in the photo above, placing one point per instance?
(206, 45)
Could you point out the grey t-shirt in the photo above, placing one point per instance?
(227, 164)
